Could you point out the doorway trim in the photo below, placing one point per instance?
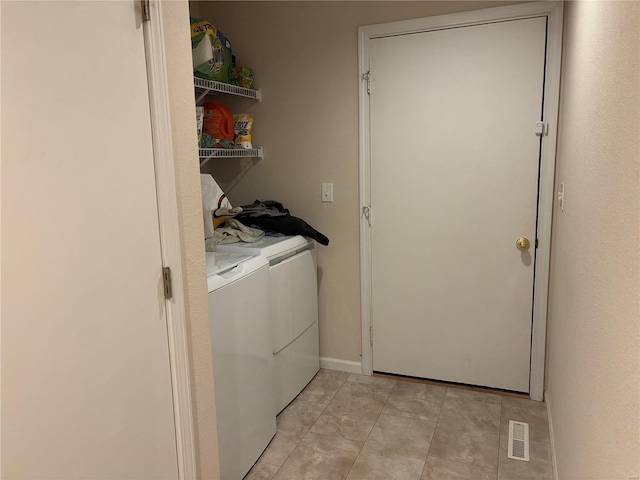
(170, 240)
(554, 12)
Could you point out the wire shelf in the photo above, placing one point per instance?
(207, 154)
(209, 86)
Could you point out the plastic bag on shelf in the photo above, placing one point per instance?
(213, 200)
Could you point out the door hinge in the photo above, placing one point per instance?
(146, 10)
(366, 213)
(371, 335)
(166, 280)
(542, 129)
(367, 77)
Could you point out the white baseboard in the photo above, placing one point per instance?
(552, 443)
(340, 365)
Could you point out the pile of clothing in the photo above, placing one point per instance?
(273, 218)
(248, 223)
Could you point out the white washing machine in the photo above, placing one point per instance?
(238, 288)
(294, 310)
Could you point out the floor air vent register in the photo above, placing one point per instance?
(518, 441)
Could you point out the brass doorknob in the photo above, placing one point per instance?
(523, 244)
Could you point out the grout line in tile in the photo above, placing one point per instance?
(368, 435)
(336, 392)
(324, 407)
(316, 421)
(374, 424)
(460, 461)
(294, 449)
(333, 436)
(262, 461)
(455, 460)
(434, 432)
(499, 440)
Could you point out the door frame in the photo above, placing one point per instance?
(169, 226)
(553, 10)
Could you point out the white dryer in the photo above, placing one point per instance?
(294, 310)
(238, 288)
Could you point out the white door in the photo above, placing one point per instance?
(86, 385)
(454, 183)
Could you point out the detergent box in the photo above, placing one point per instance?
(211, 51)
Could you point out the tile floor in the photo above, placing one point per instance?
(345, 426)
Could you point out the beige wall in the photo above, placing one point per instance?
(304, 56)
(593, 338)
(182, 111)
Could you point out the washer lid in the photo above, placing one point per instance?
(268, 246)
(218, 262)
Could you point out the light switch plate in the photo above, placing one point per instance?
(327, 192)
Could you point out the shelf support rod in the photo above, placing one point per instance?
(202, 95)
(204, 161)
